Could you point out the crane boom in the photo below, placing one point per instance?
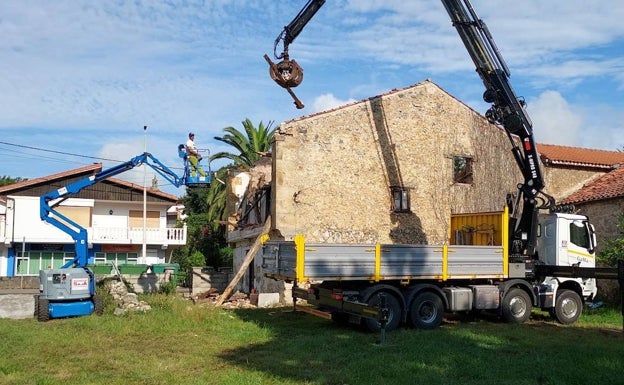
(508, 111)
(294, 28)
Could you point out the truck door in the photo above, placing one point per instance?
(580, 248)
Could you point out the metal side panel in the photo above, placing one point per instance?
(475, 261)
(410, 261)
(344, 261)
(279, 259)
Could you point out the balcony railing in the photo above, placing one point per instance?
(167, 236)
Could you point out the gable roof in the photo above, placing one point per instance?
(74, 173)
(552, 154)
(81, 172)
(610, 185)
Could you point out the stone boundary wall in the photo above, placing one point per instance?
(19, 283)
(205, 279)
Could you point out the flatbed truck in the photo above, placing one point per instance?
(473, 272)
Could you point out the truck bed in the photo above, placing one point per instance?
(300, 262)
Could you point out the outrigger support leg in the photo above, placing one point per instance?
(383, 317)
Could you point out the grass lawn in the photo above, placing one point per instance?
(181, 343)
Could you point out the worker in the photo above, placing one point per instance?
(193, 156)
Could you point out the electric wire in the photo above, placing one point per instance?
(130, 178)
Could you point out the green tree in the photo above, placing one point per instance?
(613, 249)
(249, 145)
(206, 233)
(7, 180)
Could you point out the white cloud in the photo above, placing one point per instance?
(554, 121)
(327, 102)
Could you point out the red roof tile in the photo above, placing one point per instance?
(577, 156)
(610, 185)
(135, 186)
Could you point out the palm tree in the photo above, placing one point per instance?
(249, 144)
(7, 180)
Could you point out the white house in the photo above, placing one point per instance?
(111, 211)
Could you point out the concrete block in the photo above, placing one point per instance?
(17, 306)
(268, 299)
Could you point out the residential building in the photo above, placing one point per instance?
(600, 196)
(111, 211)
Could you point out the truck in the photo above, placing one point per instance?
(531, 254)
(69, 291)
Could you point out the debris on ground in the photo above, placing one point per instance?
(237, 300)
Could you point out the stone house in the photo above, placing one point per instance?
(390, 169)
(592, 180)
(567, 169)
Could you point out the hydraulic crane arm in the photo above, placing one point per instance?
(509, 112)
(294, 28)
(53, 198)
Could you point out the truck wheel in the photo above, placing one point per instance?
(568, 307)
(36, 305)
(516, 306)
(426, 311)
(394, 313)
(98, 304)
(43, 311)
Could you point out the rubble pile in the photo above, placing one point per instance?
(126, 301)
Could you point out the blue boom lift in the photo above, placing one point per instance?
(70, 290)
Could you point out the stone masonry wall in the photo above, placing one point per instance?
(561, 182)
(603, 215)
(332, 171)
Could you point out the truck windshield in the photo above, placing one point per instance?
(579, 234)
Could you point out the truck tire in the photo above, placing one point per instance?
(36, 305)
(426, 311)
(394, 313)
(98, 304)
(568, 307)
(516, 306)
(43, 311)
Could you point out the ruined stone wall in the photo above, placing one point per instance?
(332, 172)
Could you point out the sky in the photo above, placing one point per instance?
(80, 79)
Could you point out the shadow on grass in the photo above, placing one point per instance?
(304, 349)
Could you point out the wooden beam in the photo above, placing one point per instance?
(248, 259)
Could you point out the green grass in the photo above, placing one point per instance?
(181, 343)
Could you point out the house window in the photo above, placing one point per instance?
(400, 199)
(116, 258)
(462, 169)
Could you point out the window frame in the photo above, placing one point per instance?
(463, 174)
(400, 199)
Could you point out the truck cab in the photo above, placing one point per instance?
(566, 240)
